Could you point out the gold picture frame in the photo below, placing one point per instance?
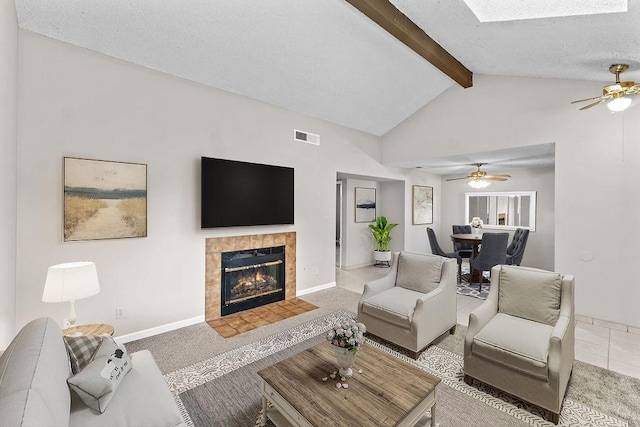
(104, 199)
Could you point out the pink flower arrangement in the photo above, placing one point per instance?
(347, 334)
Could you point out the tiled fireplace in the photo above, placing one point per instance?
(252, 267)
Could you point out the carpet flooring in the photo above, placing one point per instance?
(224, 390)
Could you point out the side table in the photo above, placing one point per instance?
(91, 329)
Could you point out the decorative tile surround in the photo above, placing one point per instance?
(216, 245)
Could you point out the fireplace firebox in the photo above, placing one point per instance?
(251, 278)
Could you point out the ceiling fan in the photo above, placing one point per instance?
(616, 93)
(480, 178)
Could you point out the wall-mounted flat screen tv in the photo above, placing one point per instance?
(239, 194)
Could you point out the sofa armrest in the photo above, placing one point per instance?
(478, 319)
(561, 350)
(380, 285)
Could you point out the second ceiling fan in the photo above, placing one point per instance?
(480, 178)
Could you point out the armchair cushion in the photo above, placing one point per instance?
(520, 344)
(419, 272)
(395, 306)
(530, 294)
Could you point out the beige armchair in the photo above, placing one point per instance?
(414, 304)
(521, 339)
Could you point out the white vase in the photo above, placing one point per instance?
(345, 360)
(476, 230)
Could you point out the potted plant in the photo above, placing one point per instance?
(381, 231)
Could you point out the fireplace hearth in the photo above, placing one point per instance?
(251, 278)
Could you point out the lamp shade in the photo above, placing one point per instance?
(71, 281)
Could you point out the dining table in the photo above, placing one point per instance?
(473, 239)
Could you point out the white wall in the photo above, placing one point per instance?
(393, 206)
(539, 252)
(416, 235)
(597, 198)
(8, 139)
(73, 102)
(358, 242)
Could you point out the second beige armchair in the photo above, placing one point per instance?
(414, 304)
(521, 339)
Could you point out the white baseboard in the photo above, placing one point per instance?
(301, 292)
(198, 319)
(355, 266)
(158, 330)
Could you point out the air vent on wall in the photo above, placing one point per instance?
(309, 138)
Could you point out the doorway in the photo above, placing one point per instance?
(339, 224)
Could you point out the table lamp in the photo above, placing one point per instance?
(70, 282)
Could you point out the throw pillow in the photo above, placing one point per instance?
(419, 272)
(81, 350)
(97, 383)
(530, 293)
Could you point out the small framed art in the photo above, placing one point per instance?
(422, 205)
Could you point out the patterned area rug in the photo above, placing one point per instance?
(200, 398)
(465, 288)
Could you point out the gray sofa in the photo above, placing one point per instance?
(34, 391)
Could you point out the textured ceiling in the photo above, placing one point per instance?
(531, 156)
(577, 47)
(324, 58)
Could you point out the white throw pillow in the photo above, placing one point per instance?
(97, 383)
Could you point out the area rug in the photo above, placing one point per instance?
(471, 290)
(225, 390)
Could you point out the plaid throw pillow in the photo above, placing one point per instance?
(81, 350)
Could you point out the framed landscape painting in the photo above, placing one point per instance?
(104, 199)
(422, 205)
(365, 204)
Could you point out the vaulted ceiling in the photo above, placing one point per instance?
(325, 58)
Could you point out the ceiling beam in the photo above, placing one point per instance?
(385, 14)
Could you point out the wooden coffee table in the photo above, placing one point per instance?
(389, 392)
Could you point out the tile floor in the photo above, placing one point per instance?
(610, 346)
(237, 323)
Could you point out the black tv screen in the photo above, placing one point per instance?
(240, 193)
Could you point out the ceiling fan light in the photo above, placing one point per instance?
(478, 183)
(619, 104)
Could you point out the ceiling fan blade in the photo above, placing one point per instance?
(594, 104)
(588, 99)
(634, 90)
(495, 178)
(455, 179)
(505, 176)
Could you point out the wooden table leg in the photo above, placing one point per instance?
(264, 411)
(476, 276)
(433, 415)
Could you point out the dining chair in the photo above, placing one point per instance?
(465, 250)
(493, 251)
(437, 250)
(515, 251)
